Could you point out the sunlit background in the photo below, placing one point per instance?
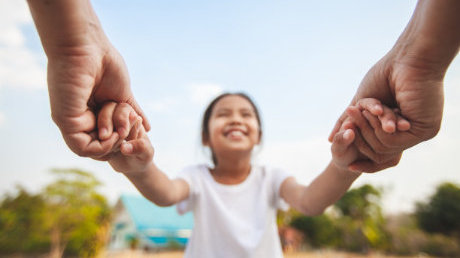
(301, 61)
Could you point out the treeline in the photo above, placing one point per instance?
(356, 223)
(69, 217)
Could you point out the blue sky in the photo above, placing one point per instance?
(301, 61)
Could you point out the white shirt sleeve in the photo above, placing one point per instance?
(187, 174)
(278, 177)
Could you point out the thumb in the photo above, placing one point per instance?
(139, 111)
(337, 126)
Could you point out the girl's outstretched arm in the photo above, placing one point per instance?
(330, 185)
(157, 187)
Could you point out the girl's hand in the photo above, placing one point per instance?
(360, 156)
(134, 153)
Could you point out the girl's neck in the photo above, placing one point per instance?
(232, 171)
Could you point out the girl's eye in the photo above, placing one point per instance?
(247, 115)
(222, 114)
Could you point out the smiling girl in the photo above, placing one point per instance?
(234, 202)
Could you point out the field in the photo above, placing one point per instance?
(313, 254)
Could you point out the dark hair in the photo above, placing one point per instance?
(208, 112)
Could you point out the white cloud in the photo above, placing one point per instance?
(19, 66)
(202, 93)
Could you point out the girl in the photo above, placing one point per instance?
(234, 203)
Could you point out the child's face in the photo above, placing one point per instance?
(233, 126)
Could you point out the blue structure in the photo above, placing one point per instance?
(138, 222)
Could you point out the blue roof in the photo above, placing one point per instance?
(147, 215)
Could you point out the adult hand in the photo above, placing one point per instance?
(410, 77)
(84, 71)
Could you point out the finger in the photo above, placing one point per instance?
(388, 120)
(140, 148)
(368, 132)
(87, 145)
(134, 132)
(337, 126)
(104, 120)
(342, 141)
(122, 119)
(363, 147)
(402, 124)
(139, 111)
(374, 106)
(369, 166)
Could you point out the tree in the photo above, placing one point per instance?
(360, 203)
(319, 231)
(78, 216)
(21, 223)
(361, 222)
(442, 212)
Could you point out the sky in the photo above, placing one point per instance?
(301, 61)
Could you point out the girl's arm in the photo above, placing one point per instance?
(157, 187)
(325, 190)
(347, 148)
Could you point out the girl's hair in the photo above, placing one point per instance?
(208, 112)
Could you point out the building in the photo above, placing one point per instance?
(138, 223)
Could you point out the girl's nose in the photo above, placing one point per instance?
(236, 119)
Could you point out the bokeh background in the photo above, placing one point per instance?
(301, 61)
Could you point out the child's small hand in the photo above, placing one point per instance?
(390, 119)
(343, 151)
(135, 152)
(359, 156)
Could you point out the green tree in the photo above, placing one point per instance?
(361, 222)
(78, 216)
(21, 223)
(441, 213)
(319, 231)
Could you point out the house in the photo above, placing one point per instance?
(138, 223)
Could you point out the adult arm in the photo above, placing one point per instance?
(410, 76)
(84, 71)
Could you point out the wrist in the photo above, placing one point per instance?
(431, 39)
(140, 173)
(344, 172)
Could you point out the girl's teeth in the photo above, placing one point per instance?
(236, 133)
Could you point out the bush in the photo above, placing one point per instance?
(319, 231)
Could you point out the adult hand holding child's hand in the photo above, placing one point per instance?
(84, 72)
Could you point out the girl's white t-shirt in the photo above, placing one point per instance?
(233, 220)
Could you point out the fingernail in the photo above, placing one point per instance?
(103, 132)
(391, 125)
(128, 147)
(346, 134)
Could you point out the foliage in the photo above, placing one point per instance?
(361, 221)
(69, 217)
(319, 231)
(408, 239)
(358, 225)
(442, 212)
(21, 227)
(360, 203)
(76, 213)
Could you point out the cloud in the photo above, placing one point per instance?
(202, 93)
(20, 67)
